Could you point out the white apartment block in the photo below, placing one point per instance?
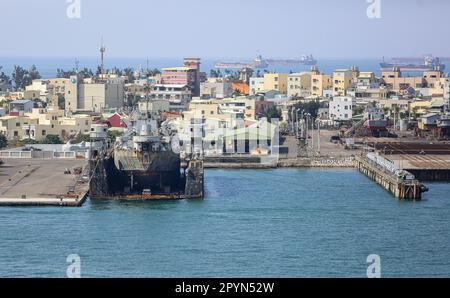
(340, 108)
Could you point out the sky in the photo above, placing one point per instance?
(225, 28)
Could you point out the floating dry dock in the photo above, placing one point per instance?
(42, 182)
(400, 183)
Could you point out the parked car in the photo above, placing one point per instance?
(335, 139)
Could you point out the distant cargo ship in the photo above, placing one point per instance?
(429, 63)
(260, 63)
(304, 60)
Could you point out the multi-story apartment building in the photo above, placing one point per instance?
(342, 80)
(340, 108)
(276, 81)
(189, 75)
(11, 126)
(216, 88)
(178, 96)
(366, 79)
(320, 83)
(256, 85)
(299, 84)
(39, 89)
(369, 93)
(91, 95)
(53, 122)
(154, 107)
(394, 80)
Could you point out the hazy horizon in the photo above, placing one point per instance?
(225, 29)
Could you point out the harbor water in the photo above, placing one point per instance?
(252, 223)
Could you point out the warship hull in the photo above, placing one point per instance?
(109, 182)
(141, 166)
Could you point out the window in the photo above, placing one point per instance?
(44, 132)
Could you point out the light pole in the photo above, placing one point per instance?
(318, 136)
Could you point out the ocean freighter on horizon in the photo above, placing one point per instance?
(260, 63)
(429, 63)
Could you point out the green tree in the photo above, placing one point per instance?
(86, 73)
(61, 73)
(3, 141)
(34, 73)
(21, 77)
(4, 78)
(310, 107)
(236, 93)
(152, 72)
(82, 138)
(129, 73)
(358, 110)
(213, 73)
(28, 142)
(272, 113)
(112, 134)
(52, 139)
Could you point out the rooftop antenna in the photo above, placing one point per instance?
(77, 65)
(102, 55)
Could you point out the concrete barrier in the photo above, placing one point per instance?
(15, 154)
(39, 154)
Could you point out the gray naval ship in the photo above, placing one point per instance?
(144, 163)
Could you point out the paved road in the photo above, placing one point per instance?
(36, 178)
(327, 148)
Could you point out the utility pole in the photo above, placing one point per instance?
(318, 136)
(102, 55)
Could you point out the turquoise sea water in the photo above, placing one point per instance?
(252, 223)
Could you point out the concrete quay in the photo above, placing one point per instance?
(318, 162)
(401, 188)
(38, 182)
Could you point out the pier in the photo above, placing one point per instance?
(43, 182)
(399, 185)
